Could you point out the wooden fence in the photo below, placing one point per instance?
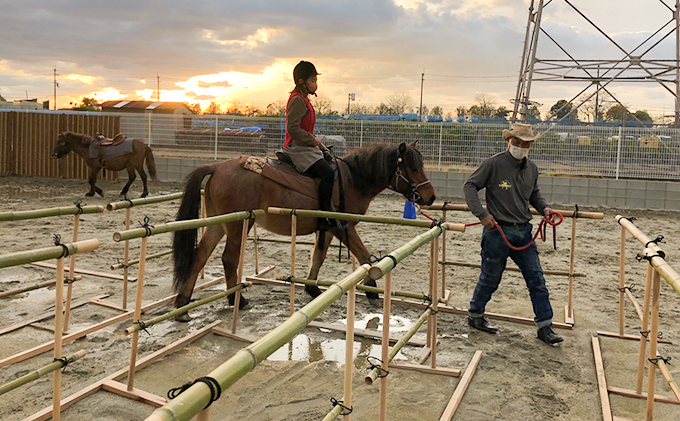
(28, 138)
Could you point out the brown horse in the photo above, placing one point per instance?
(80, 143)
(365, 173)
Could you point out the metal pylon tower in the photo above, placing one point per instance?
(632, 66)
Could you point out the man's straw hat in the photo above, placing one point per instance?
(521, 131)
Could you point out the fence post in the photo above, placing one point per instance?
(149, 130)
(361, 134)
(217, 120)
(441, 132)
(618, 154)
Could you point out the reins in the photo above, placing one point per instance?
(542, 226)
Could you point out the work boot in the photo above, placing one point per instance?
(480, 323)
(548, 335)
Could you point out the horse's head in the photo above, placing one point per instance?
(409, 178)
(62, 147)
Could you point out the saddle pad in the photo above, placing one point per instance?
(123, 148)
(297, 182)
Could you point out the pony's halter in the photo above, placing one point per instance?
(413, 194)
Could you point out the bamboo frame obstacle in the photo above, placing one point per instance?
(658, 268)
(58, 252)
(569, 308)
(192, 401)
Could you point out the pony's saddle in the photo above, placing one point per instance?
(107, 141)
(283, 172)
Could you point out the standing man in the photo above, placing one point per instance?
(511, 183)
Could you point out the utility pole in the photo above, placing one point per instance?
(420, 109)
(350, 97)
(158, 88)
(56, 85)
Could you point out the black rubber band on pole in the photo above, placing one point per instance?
(394, 259)
(79, 206)
(631, 219)
(146, 226)
(142, 326)
(382, 372)
(128, 200)
(345, 409)
(645, 333)
(630, 288)
(57, 242)
(64, 361)
(655, 361)
(575, 214)
(215, 389)
(657, 240)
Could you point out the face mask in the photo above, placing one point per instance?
(518, 153)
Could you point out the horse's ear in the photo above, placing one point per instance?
(403, 149)
(415, 143)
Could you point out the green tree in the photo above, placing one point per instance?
(323, 105)
(534, 112)
(501, 112)
(437, 110)
(87, 104)
(461, 111)
(617, 113)
(213, 108)
(561, 109)
(384, 109)
(276, 109)
(642, 115)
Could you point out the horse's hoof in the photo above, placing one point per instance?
(372, 295)
(312, 290)
(144, 194)
(90, 194)
(184, 317)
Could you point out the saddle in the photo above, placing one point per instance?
(283, 172)
(107, 141)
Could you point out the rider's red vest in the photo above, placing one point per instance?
(307, 122)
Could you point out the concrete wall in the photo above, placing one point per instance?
(623, 194)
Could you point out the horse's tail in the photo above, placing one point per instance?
(184, 242)
(151, 163)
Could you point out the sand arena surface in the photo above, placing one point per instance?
(519, 378)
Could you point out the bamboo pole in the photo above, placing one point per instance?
(44, 213)
(380, 268)
(364, 288)
(666, 375)
(138, 314)
(195, 398)
(34, 287)
(148, 257)
(435, 301)
(293, 234)
(126, 204)
(58, 324)
(126, 261)
(46, 253)
(651, 370)
(565, 213)
(516, 269)
(443, 256)
(373, 374)
(622, 280)
(56, 365)
(71, 270)
(184, 309)
(639, 235)
(185, 225)
(644, 333)
(239, 273)
(360, 218)
(297, 242)
(385, 345)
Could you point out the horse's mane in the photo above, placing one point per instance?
(373, 166)
(84, 140)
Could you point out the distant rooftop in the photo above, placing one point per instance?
(142, 105)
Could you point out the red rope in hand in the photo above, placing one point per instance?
(542, 226)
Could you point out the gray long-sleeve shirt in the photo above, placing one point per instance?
(511, 185)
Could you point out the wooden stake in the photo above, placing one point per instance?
(443, 256)
(349, 349)
(644, 335)
(435, 301)
(293, 232)
(126, 260)
(651, 371)
(385, 344)
(255, 239)
(138, 313)
(71, 277)
(457, 397)
(569, 314)
(58, 323)
(204, 214)
(239, 273)
(601, 380)
(622, 279)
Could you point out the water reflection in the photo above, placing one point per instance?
(307, 348)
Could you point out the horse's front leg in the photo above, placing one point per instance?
(93, 181)
(143, 176)
(318, 256)
(231, 257)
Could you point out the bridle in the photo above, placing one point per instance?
(413, 194)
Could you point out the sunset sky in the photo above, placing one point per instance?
(244, 51)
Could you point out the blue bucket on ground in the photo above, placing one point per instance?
(409, 210)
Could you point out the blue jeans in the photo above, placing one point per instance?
(494, 256)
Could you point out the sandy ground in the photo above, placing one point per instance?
(519, 377)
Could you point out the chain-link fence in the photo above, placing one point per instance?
(594, 151)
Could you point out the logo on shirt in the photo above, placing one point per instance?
(505, 185)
